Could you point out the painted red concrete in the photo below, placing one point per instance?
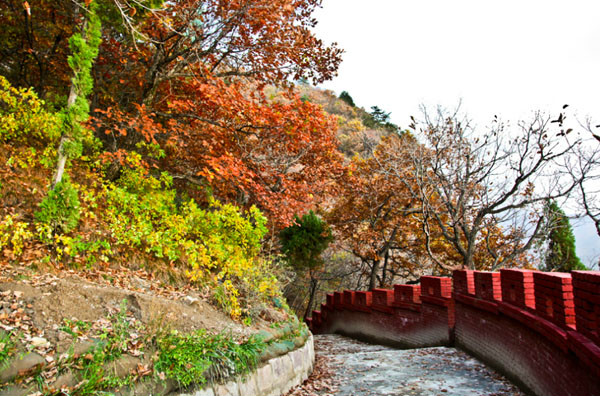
(542, 330)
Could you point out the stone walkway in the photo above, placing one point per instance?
(362, 369)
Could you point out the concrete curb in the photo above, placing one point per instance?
(273, 378)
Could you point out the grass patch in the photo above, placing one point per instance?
(201, 357)
(75, 327)
(7, 347)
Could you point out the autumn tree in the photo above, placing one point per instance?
(195, 86)
(382, 220)
(35, 44)
(201, 126)
(374, 215)
(468, 180)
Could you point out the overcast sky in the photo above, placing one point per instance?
(508, 58)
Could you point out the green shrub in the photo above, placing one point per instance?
(345, 96)
(60, 209)
(88, 251)
(558, 245)
(305, 240)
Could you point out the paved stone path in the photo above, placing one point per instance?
(363, 369)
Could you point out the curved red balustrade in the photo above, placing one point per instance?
(540, 329)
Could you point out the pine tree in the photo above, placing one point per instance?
(560, 252)
(302, 243)
(379, 116)
(305, 240)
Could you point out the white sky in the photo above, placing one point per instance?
(508, 58)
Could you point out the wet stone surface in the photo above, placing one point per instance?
(362, 369)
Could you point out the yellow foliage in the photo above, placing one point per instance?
(23, 117)
(14, 233)
(219, 246)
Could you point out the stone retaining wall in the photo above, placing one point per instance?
(273, 378)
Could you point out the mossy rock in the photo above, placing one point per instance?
(299, 341)
(277, 349)
(283, 347)
(265, 336)
(287, 329)
(277, 333)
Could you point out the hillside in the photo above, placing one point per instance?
(125, 332)
(358, 131)
(145, 178)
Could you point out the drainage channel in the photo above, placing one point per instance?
(358, 368)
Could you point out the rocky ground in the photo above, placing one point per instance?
(348, 367)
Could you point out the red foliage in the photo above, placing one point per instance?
(190, 76)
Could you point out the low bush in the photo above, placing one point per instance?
(13, 234)
(218, 246)
(59, 210)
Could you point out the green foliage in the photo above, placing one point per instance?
(196, 358)
(559, 254)
(112, 339)
(345, 96)
(23, 118)
(77, 246)
(27, 157)
(219, 245)
(84, 47)
(59, 211)
(74, 326)
(379, 119)
(303, 242)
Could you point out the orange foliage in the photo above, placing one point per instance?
(196, 88)
(380, 216)
(190, 76)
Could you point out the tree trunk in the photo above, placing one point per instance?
(311, 298)
(373, 278)
(468, 259)
(384, 269)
